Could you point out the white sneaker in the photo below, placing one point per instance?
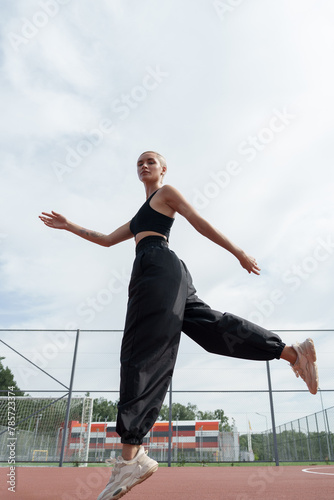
(127, 473)
(305, 366)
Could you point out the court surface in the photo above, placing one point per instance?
(177, 483)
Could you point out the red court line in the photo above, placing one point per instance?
(177, 483)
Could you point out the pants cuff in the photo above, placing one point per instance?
(133, 441)
(280, 350)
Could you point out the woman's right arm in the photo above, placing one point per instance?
(58, 221)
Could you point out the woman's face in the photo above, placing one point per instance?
(149, 168)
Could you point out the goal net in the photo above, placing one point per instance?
(39, 455)
(39, 429)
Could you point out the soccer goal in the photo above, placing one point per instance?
(39, 429)
(40, 455)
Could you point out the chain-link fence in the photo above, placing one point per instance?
(307, 439)
(233, 411)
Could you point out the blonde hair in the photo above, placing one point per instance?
(160, 157)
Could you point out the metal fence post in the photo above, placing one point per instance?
(170, 430)
(301, 441)
(61, 459)
(330, 454)
(324, 414)
(272, 414)
(309, 442)
(319, 439)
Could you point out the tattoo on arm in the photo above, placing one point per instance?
(95, 234)
(91, 234)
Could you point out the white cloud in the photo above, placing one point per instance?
(224, 79)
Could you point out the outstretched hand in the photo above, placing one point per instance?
(249, 263)
(55, 220)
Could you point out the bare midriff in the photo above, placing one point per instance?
(143, 234)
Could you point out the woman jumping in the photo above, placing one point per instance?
(162, 303)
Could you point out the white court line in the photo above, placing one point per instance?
(311, 471)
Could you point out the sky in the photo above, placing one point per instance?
(238, 96)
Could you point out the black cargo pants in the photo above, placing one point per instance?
(162, 303)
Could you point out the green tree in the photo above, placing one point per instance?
(216, 415)
(243, 442)
(104, 410)
(191, 412)
(179, 412)
(7, 381)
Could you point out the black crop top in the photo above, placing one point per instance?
(148, 219)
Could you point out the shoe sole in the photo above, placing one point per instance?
(313, 358)
(149, 473)
(311, 350)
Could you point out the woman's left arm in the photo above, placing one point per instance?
(178, 203)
